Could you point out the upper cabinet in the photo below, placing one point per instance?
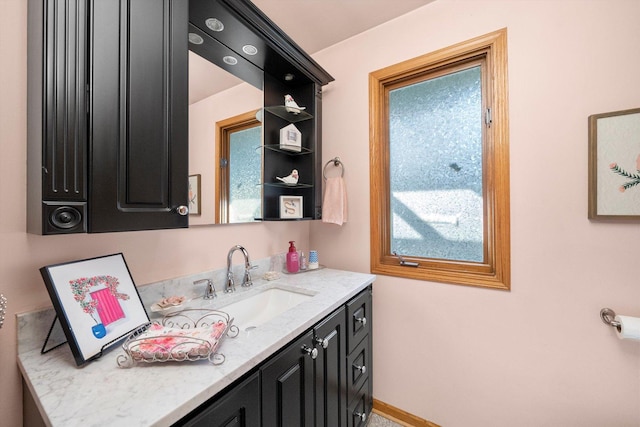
(108, 116)
(108, 108)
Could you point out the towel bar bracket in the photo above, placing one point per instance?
(608, 317)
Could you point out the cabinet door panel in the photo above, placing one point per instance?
(331, 371)
(238, 408)
(138, 114)
(287, 386)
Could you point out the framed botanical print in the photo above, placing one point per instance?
(96, 302)
(614, 165)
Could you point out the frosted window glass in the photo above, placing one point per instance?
(244, 175)
(435, 138)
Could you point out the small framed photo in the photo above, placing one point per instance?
(194, 194)
(290, 207)
(96, 303)
(614, 165)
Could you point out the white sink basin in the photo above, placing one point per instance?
(260, 308)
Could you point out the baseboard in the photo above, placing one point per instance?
(399, 416)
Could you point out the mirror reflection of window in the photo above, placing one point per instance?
(239, 160)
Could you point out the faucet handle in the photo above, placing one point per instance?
(209, 291)
(246, 280)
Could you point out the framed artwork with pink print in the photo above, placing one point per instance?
(96, 302)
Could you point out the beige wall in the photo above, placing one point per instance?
(538, 355)
(458, 356)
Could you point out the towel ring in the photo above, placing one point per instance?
(336, 162)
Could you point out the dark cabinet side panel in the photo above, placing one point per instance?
(139, 136)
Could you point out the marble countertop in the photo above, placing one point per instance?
(159, 394)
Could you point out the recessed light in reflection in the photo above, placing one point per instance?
(214, 24)
(249, 49)
(195, 38)
(230, 60)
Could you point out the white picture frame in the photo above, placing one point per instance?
(291, 207)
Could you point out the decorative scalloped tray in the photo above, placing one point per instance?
(185, 335)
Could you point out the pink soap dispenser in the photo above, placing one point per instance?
(293, 264)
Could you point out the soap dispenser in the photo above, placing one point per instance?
(293, 265)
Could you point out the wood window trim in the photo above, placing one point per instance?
(224, 128)
(495, 272)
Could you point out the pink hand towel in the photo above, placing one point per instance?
(334, 203)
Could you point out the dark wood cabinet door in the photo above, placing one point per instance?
(287, 386)
(240, 407)
(138, 114)
(331, 379)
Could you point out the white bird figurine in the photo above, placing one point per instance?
(291, 105)
(290, 179)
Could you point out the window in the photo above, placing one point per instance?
(239, 161)
(439, 161)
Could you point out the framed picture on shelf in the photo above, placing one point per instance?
(614, 165)
(96, 303)
(290, 207)
(194, 194)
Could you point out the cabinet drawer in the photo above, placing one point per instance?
(358, 319)
(360, 408)
(358, 368)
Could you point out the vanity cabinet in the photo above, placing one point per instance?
(315, 380)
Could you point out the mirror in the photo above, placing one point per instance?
(215, 97)
(238, 38)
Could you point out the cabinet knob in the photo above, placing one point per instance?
(323, 342)
(313, 352)
(362, 320)
(182, 210)
(362, 369)
(361, 415)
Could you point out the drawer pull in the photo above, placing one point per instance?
(362, 320)
(313, 352)
(362, 369)
(323, 342)
(361, 415)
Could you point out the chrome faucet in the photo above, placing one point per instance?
(209, 291)
(246, 280)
